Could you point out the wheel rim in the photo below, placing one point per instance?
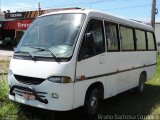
(93, 104)
(93, 101)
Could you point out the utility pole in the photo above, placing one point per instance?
(153, 14)
(39, 9)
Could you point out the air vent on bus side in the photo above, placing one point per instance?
(29, 80)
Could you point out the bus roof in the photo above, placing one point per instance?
(106, 16)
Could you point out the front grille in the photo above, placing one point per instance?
(29, 80)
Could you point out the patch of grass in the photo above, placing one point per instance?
(3, 90)
(155, 82)
(156, 79)
(4, 65)
(8, 110)
(3, 80)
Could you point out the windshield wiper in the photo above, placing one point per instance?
(44, 49)
(30, 54)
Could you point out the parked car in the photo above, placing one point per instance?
(7, 42)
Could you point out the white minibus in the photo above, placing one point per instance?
(74, 58)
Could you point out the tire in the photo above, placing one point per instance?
(92, 102)
(141, 86)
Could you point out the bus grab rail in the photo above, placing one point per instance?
(30, 89)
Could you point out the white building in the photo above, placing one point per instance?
(157, 31)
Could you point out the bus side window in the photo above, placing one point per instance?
(93, 41)
(127, 38)
(111, 37)
(151, 41)
(140, 39)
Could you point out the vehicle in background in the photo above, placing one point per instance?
(7, 43)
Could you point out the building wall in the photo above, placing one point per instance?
(157, 31)
(2, 17)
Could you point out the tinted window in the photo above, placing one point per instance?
(95, 44)
(111, 37)
(140, 40)
(127, 38)
(96, 28)
(151, 43)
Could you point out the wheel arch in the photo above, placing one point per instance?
(99, 86)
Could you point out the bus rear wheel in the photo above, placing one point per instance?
(141, 86)
(92, 103)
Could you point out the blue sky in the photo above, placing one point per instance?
(133, 9)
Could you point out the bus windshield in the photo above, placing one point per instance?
(52, 35)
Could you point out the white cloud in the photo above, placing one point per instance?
(147, 20)
(19, 7)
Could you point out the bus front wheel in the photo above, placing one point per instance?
(92, 102)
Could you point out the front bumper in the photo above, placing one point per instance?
(43, 94)
(28, 91)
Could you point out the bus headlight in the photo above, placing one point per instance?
(64, 79)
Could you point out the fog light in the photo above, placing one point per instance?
(55, 95)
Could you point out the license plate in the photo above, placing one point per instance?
(28, 96)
